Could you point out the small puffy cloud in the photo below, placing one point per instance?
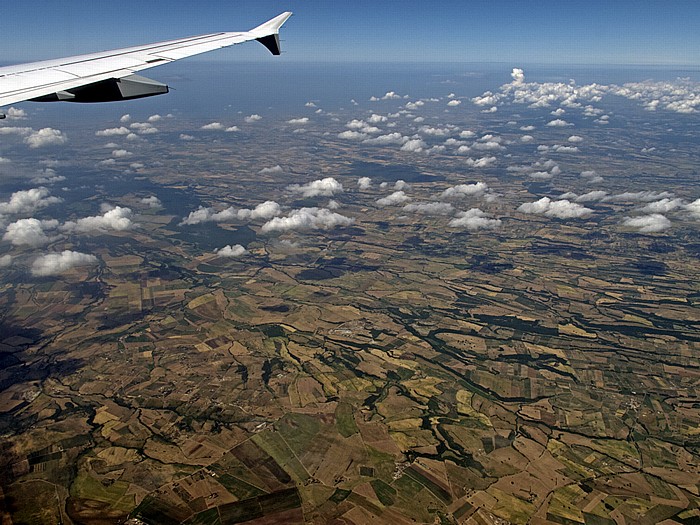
(113, 132)
(559, 148)
(362, 126)
(390, 95)
(487, 99)
(518, 76)
(198, 216)
(591, 176)
(298, 121)
(125, 118)
(45, 137)
(465, 190)
(252, 118)
(48, 176)
(639, 196)
(154, 118)
(185, 136)
(324, 187)
(398, 197)
(527, 128)
(693, 208)
(453, 103)
(310, 105)
(274, 170)
(121, 153)
(213, 126)
(232, 129)
(483, 162)
(527, 138)
(152, 201)
(592, 196)
(385, 140)
(28, 201)
(414, 105)
(474, 219)
(307, 219)
(653, 223)
(352, 135)
(414, 146)
(265, 210)
(231, 251)
(575, 139)
(29, 232)
(364, 183)
(466, 134)
(558, 123)
(401, 185)
(5, 261)
(15, 114)
(563, 209)
(55, 263)
(662, 206)
(430, 208)
(118, 219)
(377, 119)
(143, 128)
(434, 132)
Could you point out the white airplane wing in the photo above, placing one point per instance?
(109, 75)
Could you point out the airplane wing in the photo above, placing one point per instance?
(109, 75)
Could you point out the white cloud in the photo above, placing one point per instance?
(464, 190)
(232, 129)
(13, 130)
(352, 135)
(398, 197)
(121, 153)
(693, 208)
(466, 134)
(113, 132)
(401, 185)
(362, 126)
(592, 196)
(558, 123)
(575, 139)
(483, 162)
(28, 201)
(45, 137)
(662, 206)
(231, 251)
(15, 114)
(518, 76)
(474, 219)
(184, 136)
(307, 219)
(48, 176)
(29, 232)
(430, 208)
(155, 118)
(213, 126)
(639, 196)
(310, 105)
(434, 132)
(364, 183)
(55, 263)
(274, 170)
(265, 210)
(385, 140)
(252, 118)
(117, 218)
(527, 138)
(298, 121)
(454, 103)
(325, 187)
(5, 261)
(389, 95)
(653, 223)
(414, 146)
(152, 201)
(125, 118)
(376, 119)
(562, 209)
(559, 148)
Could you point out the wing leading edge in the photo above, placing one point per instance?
(110, 75)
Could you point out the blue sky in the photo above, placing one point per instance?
(513, 31)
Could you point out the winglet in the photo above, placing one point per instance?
(268, 33)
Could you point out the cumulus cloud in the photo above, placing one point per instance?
(386, 140)
(185, 136)
(575, 139)
(45, 137)
(376, 119)
(465, 190)
(29, 232)
(662, 206)
(562, 209)
(518, 76)
(274, 170)
(298, 121)
(117, 218)
(389, 95)
(121, 153)
(653, 223)
(231, 251)
(364, 183)
(558, 123)
(307, 219)
(639, 196)
(430, 208)
(143, 128)
(324, 187)
(453, 103)
(48, 176)
(113, 132)
(28, 201)
(55, 263)
(265, 210)
(474, 219)
(232, 129)
(213, 126)
(483, 162)
(352, 135)
(15, 114)
(252, 118)
(693, 208)
(155, 118)
(592, 196)
(5, 261)
(152, 201)
(198, 216)
(125, 118)
(398, 197)
(414, 146)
